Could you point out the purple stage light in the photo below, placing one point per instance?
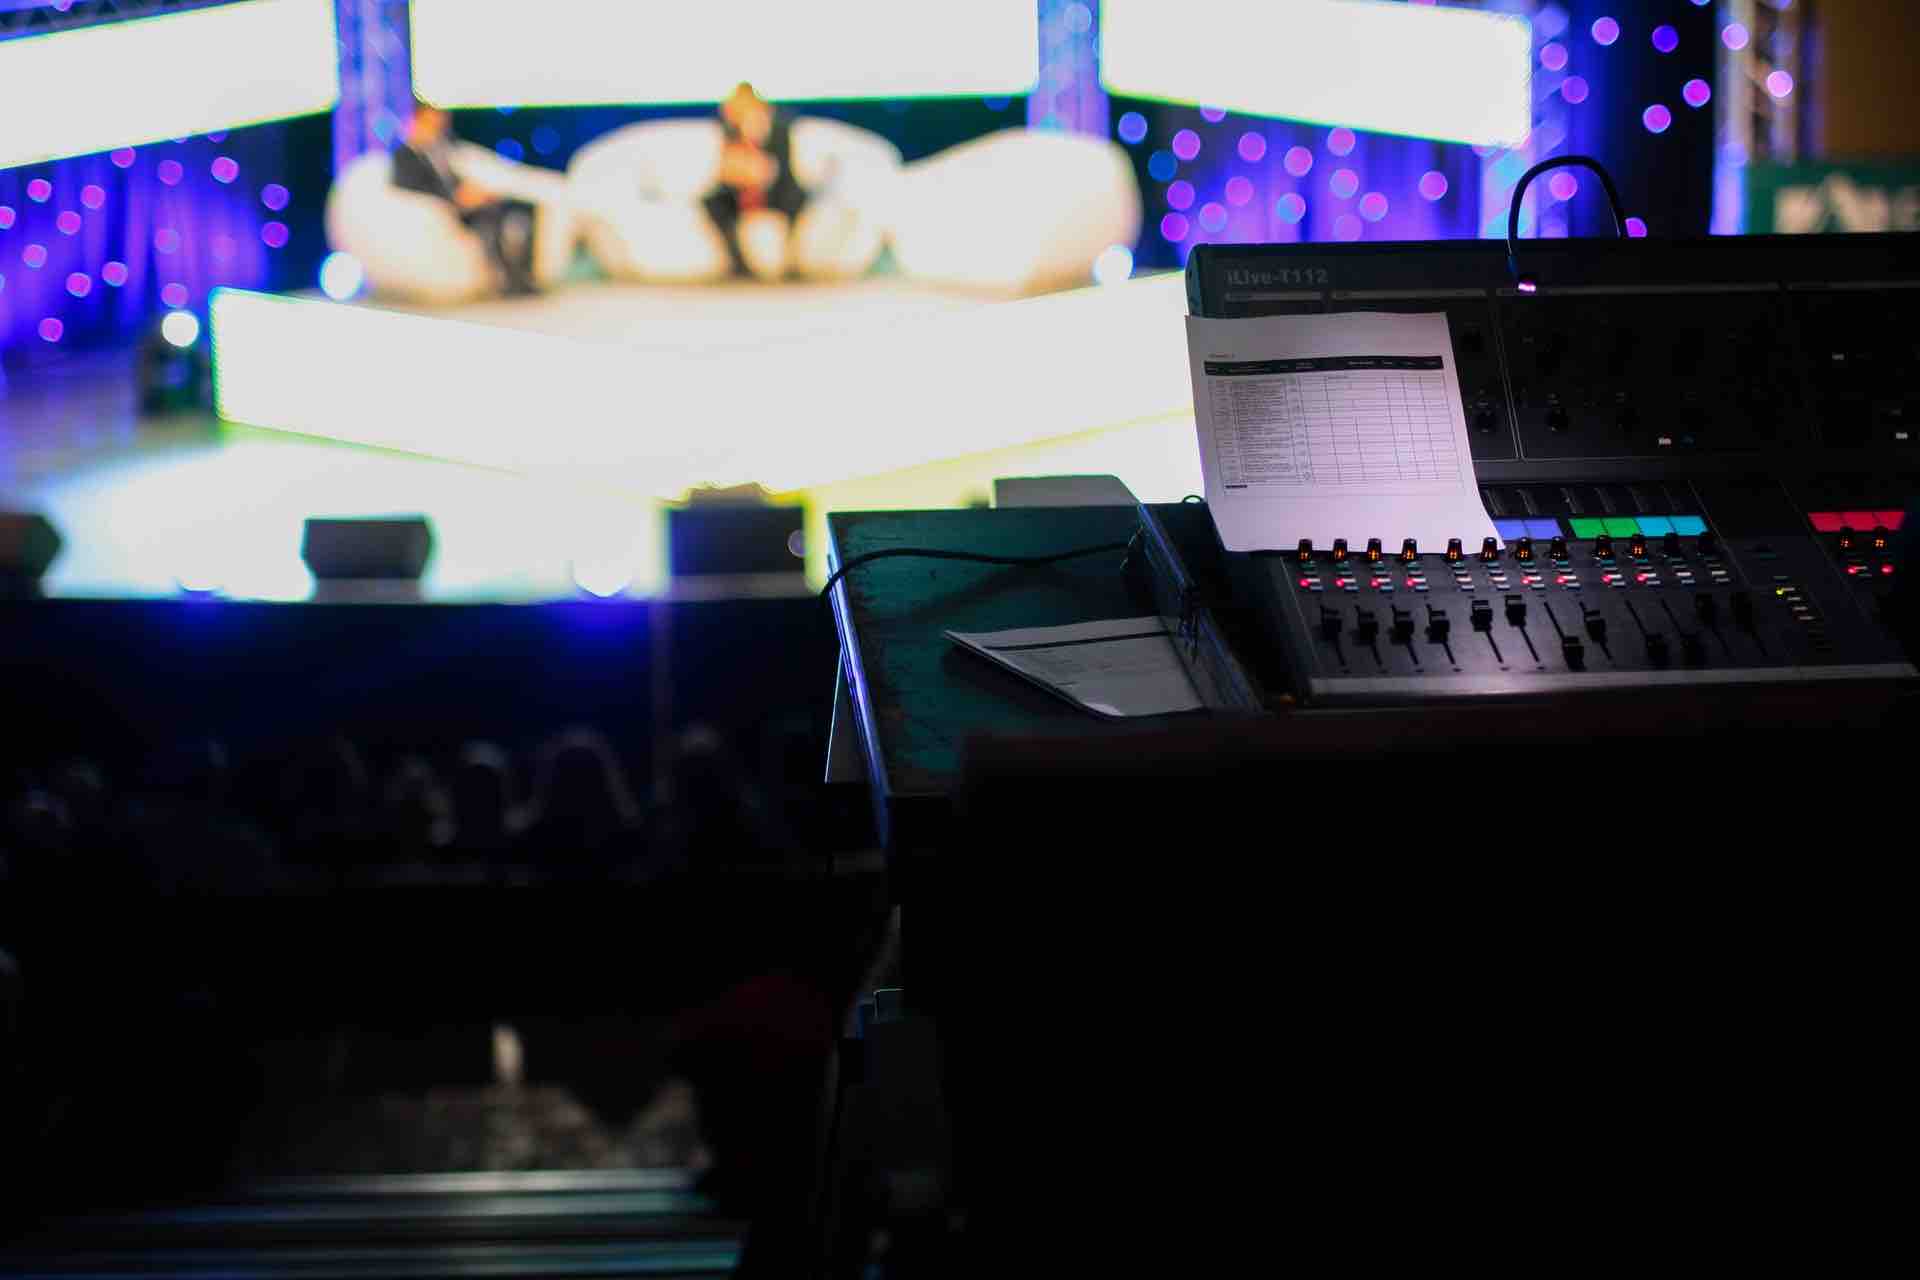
(1553, 56)
(1340, 142)
(1253, 147)
(225, 248)
(170, 172)
(1575, 89)
(1563, 185)
(39, 191)
(274, 196)
(114, 273)
(1291, 207)
(225, 169)
(1697, 93)
(79, 284)
(1213, 115)
(1343, 183)
(1779, 84)
(1298, 161)
(1239, 190)
(68, 222)
(274, 235)
(1527, 286)
(166, 240)
(51, 329)
(1433, 184)
(1186, 144)
(1636, 228)
(35, 256)
(1373, 206)
(1174, 228)
(1180, 195)
(1213, 216)
(7, 216)
(1347, 227)
(1132, 127)
(1665, 38)
(1605, 31)
(174, 295)
(1656, 118)
(123, 158)
(93, 195)
(1734, 36)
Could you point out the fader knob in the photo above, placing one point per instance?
(1489, 551)
(1438, 628)
(1557, 548)
(1596, 624)
(1304, 552)
(1339, 550)
(1454, 552)
(1574, 650)
(1366, 626)
(1523, 550)
(1373, 551)
(1849, 540)
(1409, 551)
(1329, 623)
(1480, 614)
(1402, 626)
(1603, 546)
(1637, 546)
(1879, 540)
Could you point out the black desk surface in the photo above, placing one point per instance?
(917, 697)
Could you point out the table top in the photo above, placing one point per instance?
(917, 696)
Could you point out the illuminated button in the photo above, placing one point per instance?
(1859, 519)
(1304, 553)
(1655, 526)
(1603, 547)
(1557, 548)
(1510, 530)
(1453, 551)
(1543, 528)
(1621, 526)
(1523, 550)
(1409, 551)
(1339, 550)
(1637, 546)
(1689, 526)
(1588, 527)
(1373, 551)
(1892, 519)
(1489, 551)
(1825, 521)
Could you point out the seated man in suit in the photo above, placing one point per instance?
(423, 162)
(757, 199)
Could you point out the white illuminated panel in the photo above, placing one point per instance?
(658, 421)
(72, 93)
(471, 53)
(1457, 75)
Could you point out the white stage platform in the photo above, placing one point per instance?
(642, 390)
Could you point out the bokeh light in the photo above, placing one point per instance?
(341, 276)
(34, 255)
(1253, 147)
(1291, 207)
(1605, 31)
(51, 329)
(1550, 21)
(6, 216)
(274, 196)
(1575, 89)
(1213, 215)
(1114, 265)
(1297, 161)
(1161, 165)
(1174, 227)
(225, 169)
(1343, 183)
(123, 158)
(170, 172)
(1186, 144)
(1341, 142)
(1180, 195)
(180, 328)
(166, 240)
(79, 284)
(1213, 115)
(1779, 84)
(1656, 118)
(174, 294)
(1433, 185)
(1637, 228)
(39, 191)
(1563, 185)
(1697, 93)
(1373, 206)
(68, 223)
(1132, 127)
(93, 196)
(1553, 56)
(1734, 36)
(1347, 227)
(1239, 190)
(114, 273)
(274, 235)
(1665, 38)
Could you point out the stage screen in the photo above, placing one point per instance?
(486, 53)
(1454, 75)
(122, 84)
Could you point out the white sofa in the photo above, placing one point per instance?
(414, 247)
(639, 191)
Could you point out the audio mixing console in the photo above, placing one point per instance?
(1700, 458)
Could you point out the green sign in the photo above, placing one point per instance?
(1802, 199)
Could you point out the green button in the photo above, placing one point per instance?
(1587, 526)
(1621, 526)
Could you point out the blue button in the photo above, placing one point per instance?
(1655, 526)
(1511, 530)
(1543, 528)
(1688, 526)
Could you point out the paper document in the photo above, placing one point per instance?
(1125, 667)
(1334, 426)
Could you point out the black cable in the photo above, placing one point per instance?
(928, 553)
(1526, 284)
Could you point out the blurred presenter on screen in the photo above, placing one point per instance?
(757, 198)
(424, 162)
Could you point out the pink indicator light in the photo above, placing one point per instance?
(1306, 582)
(1886, 570)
